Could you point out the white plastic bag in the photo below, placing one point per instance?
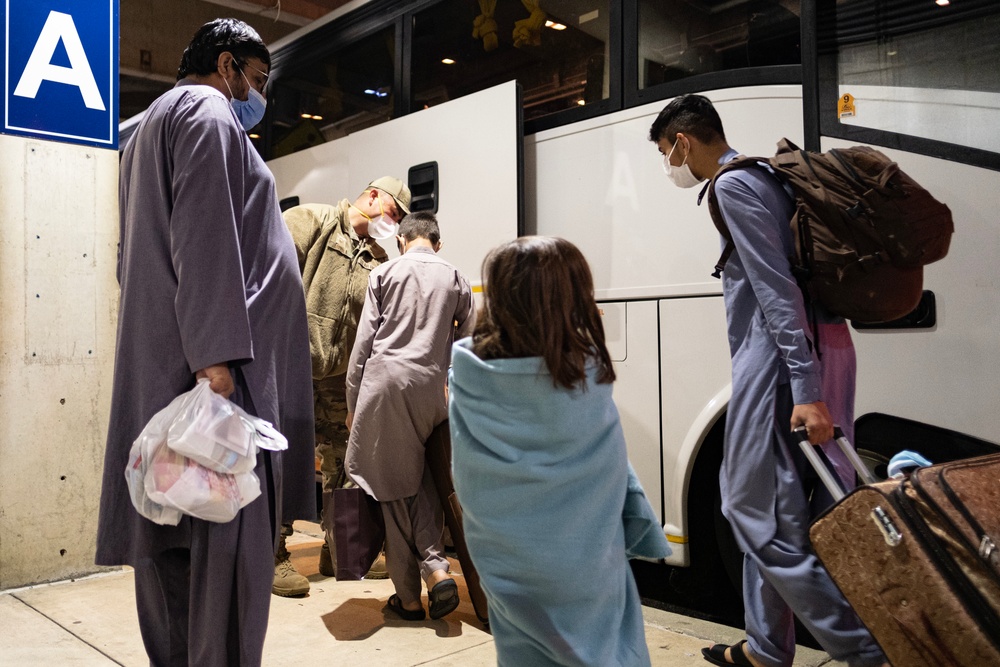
(210, 430)
(165, 483)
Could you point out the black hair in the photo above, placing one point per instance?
(202, 54)
(690, 114)
(420, 225)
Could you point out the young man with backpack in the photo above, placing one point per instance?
(780, 381)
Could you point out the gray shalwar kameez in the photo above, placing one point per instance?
(208, 275)
(769, 493)
(395, 388)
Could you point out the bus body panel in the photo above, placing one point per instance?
(695, 375)
(632, 333)
(474, 141)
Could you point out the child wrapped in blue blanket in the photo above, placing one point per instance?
(540, 466)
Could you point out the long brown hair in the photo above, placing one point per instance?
(539, 302)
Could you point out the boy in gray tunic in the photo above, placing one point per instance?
(769, 493)
(210, 287)
(396, 378)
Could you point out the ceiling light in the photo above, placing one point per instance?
(306, 115)
(448, 61)
(554, 25)
(369, 91)
(943, 3)
(581, 102)
(315, 117)
(254, 136)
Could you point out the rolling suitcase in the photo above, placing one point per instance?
(918, 558)
(439, 461)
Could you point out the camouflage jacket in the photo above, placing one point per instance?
(335, 264)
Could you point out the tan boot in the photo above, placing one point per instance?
(378, 569)
(288, 582)
(326, 567)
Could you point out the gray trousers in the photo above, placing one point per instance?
(208, 604)
(414, 527)
(784, 577)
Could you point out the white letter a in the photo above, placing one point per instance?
(40, 68)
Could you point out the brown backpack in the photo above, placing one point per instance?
(863, 229)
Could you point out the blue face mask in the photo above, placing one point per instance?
(251, 111)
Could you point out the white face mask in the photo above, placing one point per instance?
(382, 227)
(680, 176)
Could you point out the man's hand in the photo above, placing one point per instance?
(817, 420)
(220, 380)
(349, 421)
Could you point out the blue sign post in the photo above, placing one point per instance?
(60, 64)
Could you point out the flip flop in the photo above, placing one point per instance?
(396, 605)
(717, 655)
(443, 597)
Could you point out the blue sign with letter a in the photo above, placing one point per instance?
(60, 61)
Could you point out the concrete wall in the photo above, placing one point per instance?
(58, 305)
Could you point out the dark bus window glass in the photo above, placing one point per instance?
(558, 52)
(930, 71)
(331, 97)
(682, 38)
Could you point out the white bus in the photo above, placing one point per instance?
(430, 85)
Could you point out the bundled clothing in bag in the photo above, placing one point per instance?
(196, 457)
(542, 474)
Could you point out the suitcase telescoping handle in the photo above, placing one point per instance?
(819, 463)
(821, 467)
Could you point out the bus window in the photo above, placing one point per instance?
(340, 93)
(928, 70)
(558, 51)
(681, 38)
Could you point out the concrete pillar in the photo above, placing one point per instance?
(58, 309)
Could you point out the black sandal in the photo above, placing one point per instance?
(443, 597)
(396, 605)
(717, 655)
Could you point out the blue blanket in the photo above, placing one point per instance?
(552, 511)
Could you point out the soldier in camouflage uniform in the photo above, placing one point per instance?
(336, 250)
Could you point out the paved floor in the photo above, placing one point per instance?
(92, 622)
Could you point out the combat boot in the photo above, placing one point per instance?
(326, 567)
(378, 569)
(288, 582)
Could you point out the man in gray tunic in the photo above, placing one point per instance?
(396, 379)
(210, 287)
(769, 492)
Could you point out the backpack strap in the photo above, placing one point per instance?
(738, 162)
(721, 264)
